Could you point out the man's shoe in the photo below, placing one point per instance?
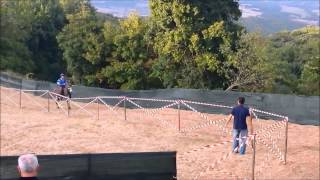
(235, 151)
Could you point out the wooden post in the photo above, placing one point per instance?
(48, 99)
(68, 107)
(179, 121)
(20, 101)
(125, 108)
(20, 94)
(253, 156)
(286, 141)
(98, 101)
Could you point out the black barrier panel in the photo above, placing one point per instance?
(12, 82)
(299, 109)
(124, 166)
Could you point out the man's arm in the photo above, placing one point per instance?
(229, 119)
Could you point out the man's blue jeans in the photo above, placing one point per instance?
(239, 140)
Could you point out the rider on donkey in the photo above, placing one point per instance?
(63, 89)
(62, 83)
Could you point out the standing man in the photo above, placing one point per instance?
(28, 167)
(239, 114)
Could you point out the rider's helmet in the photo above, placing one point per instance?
(61, 74)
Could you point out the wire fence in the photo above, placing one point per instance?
(268, 143)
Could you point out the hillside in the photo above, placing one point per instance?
(274, 16)
(195, 45)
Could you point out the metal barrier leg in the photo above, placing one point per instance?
(286, 142)
(48, 99)
(98, 101)
(179, 119)
(125, 108)
(20, 99)
(68, 107)
(253, 156)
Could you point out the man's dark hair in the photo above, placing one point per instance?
(241, 100)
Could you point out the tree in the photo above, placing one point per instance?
(190, 38)
(82, 43)
(292, 52)
(71, 6)
(47, 21)
(250, 70)
(127, 69)
(309, 82)
(310, 79)
(28, 38)
(15, 30)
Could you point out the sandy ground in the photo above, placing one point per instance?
(203, 153)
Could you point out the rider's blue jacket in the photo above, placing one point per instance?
(62, 82)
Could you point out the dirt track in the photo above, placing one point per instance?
(32, 129)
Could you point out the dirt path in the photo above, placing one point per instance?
(32, 129)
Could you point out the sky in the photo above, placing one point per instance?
(303, 11)
(121, 8)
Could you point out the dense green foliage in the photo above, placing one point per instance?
(28, 37)
(183, 44)
(191, 40)
(296, 54)
(82, 43)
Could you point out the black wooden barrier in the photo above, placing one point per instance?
(115, 166)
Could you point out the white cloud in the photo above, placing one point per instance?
(306, 21)
(142, 4)
(248, 11)
(119, 12)
(122, 10)
(300, 15)
(316, 11)
(245, 4)
(295, 10)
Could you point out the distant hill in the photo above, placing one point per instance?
(274, 16)
(267, 16)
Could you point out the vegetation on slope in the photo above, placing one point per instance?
(183, 44)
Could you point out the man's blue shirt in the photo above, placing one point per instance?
(61, 82)
(240, 114)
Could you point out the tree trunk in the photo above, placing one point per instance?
(231, 87)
